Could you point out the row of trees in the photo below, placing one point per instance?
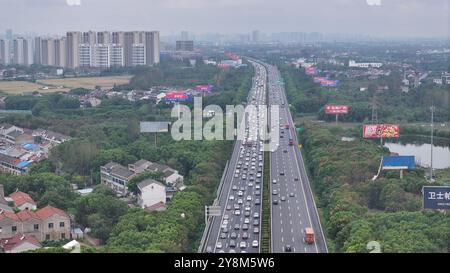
(358, 210)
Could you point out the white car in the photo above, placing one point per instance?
(225, 222)
(255, 243)
(249, 198)
(237, 212)
(243, 244)
(247, 221)
(231, 198)
(219, 245)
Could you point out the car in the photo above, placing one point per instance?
(247, 221)
(274, 192)
(232, 244)
(281, 173)
(283, 198)
(287, 248)
(244, 177)
(240, 201)
(258, 175)
(258, 180)
(257, 193)
(255, 243)
(242, 188)
(258, 187)
(247, 214)
(236, 175)
(244, 227)
(225, 222)
(249, 198)
(236, 206)
(231, 251)
(275, 201)
(296, 179)
(228, 207)
(226, 217)
(237, 227)
(257, 201)
(219, 245)
(238, 171)
(245, 235)
(250, 184)
(240, 193)
(221, 251)
(256, 215)
(224, 229)
(234, 188)
(209, 249)
(233, 235)
(223, 235)
(231, 198)
(274, 181)
(247, 208)
(255, 223)
(292, 194)
(285, 151)
(237, 212)
(243, 244)
(255, 230)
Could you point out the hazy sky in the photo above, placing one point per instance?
(405, 18)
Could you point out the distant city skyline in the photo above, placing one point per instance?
(388, 19)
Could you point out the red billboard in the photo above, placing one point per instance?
(381, 131)
(336, 109)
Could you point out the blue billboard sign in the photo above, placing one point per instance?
(399, 162)
(436, 197)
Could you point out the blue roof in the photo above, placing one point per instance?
(28, 146)
(392, 162)
(23, 164)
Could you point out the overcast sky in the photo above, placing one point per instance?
(401, 18)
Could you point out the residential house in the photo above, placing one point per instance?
(19, 243)
(151, 192)
(22, 201)
(55, 223)
(12, 165)
(116, 177)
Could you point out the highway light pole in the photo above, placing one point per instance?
(432, 142)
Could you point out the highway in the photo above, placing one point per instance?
(240, 196)
(292, 204)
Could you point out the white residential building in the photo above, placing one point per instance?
(353, 63)
(151, 192)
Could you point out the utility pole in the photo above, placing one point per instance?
(432, 142)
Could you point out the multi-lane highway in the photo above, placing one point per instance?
(293, 209)
(292, 205)
(237, 230)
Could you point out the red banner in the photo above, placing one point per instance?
(381, 131)
(336, 109)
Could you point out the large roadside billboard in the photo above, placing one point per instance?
(178, 96)
(436, 197)
(336, 109)
(381, 131)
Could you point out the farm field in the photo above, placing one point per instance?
(61, 85)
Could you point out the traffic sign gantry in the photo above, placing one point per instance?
(212, 211)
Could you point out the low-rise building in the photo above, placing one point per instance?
(22, 201)
(19, 243)
(116, 177)
(151, 192)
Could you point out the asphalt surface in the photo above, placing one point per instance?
(292, 204)
(237, 229)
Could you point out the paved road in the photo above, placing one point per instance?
(237, 229)
(292, 205)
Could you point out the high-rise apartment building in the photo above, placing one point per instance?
(85, 55)
(60, 52)
(73, 41)
(152, 49)
(103, 37)
(138, 55)
(37, 50)
(116, 56)
(21, 51)
(48, 52)
(4, 52)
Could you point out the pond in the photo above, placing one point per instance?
(420, 147)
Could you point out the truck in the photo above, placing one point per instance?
(308, 235)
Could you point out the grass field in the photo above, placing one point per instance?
(57, 85)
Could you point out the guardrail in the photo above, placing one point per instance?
(208, 225)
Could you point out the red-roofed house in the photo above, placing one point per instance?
(31, 224)
(55, 223)
(10, 224)
(19, 243)
(22, 201)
